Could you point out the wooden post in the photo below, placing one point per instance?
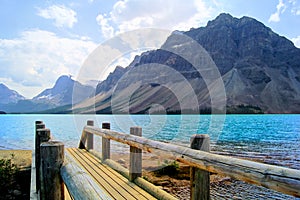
(200, 181)
(105, 143)
(135, 165)
(42, 135)
(90, 137)
(38, 125)
(52, 158)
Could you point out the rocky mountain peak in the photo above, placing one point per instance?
(258, 66)
(9, 96)
(62, 92)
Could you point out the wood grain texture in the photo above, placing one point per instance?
(79, 183)
(52, 158)
(135, 160)
(105, 143)
(111, 181)
(281, 179)
(90, 137)
(200, 180)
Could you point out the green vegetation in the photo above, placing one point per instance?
(8, 171)
(169, 168)
(244, 109)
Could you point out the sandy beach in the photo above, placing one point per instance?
(22, 158)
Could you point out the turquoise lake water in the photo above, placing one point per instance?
(273, 138)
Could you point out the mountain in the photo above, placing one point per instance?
(65, 91)
(260, 71)
(63, 94)
(9, 96)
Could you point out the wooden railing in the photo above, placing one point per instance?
(284, 180)
(50, 156)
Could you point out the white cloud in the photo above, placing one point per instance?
(61, 15)
(107, 30)
(292, 6)
(37, 58)
(296, 41)
(280, 8)
(296, 10)
(128, 15)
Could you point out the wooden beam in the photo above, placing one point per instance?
(200, 181)
(43, 135)
(52, 158)
(135, 161)
(282, 179)
(147, 186)
(105, 143)
(90, 137)
(79, 183)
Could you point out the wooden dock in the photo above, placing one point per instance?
(82, 173)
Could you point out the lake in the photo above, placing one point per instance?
(272, 138)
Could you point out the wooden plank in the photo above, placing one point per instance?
(141, 183)
(98, 176)
(118, 178)
(282, 179)
(104, 182)
(79, 182)
(133, 191)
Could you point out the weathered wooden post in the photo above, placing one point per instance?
(42, 135)
(90, 137)
(135, 163)
(105, 144)
(38, 125)
(52, 158)
(200, 181)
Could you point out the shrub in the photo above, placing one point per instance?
(169, 168)
(7, 172)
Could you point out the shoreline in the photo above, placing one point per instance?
(221, 187)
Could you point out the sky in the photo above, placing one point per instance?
(42, 40)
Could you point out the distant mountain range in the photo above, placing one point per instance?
(61, 94)
(259, 68)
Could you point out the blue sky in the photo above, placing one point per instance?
(41, 40)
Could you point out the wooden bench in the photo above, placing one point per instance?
(114, 184)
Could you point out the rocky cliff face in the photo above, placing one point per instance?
(258, 67)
